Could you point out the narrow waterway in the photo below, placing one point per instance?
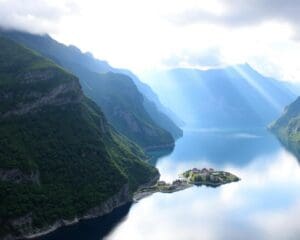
(265, 204)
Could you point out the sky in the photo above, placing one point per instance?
(143, 35)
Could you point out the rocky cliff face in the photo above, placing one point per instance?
(33, 101)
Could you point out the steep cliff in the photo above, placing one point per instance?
(122, 104)
(143, 122)
(59, 158)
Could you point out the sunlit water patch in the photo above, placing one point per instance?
(264, 205)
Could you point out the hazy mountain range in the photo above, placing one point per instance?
(236, 96)
(130, 105)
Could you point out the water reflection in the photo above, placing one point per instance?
(157, 154)
(226, 146)
(292, 147)
(264, 205)
(216, 148)
(92, 229)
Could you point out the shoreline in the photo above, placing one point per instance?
(105, 208)
(120, 199)
(187, 180)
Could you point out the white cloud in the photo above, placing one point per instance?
(138, 34)
(36, 16)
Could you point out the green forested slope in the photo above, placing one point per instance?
(139, 120)
(58, 155)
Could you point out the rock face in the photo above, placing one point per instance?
(57, 96)
(60, 160)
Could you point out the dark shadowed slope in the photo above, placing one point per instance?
(59, 158)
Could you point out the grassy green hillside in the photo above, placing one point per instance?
(58, 155)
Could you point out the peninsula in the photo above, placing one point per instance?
(193, 177)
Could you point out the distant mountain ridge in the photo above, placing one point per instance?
(155, 128)
(60, 160)
(150, 95)
(232, 97)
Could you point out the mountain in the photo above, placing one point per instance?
(122, 104)
(162, 110)
(149, 127)
(231, 97)
(59, 158)
(287, 127)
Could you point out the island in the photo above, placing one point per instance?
(208, 177)
(193, 177)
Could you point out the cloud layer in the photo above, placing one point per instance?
(210, 57)
(142, 35)
(36, 16)
(237, 13)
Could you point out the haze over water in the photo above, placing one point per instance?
(265, 204)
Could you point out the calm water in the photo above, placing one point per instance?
(264, 205)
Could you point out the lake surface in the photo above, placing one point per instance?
(265, 204)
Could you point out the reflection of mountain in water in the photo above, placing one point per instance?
(90, 229)
(156, 154)
(224, 147)
(291, 146)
